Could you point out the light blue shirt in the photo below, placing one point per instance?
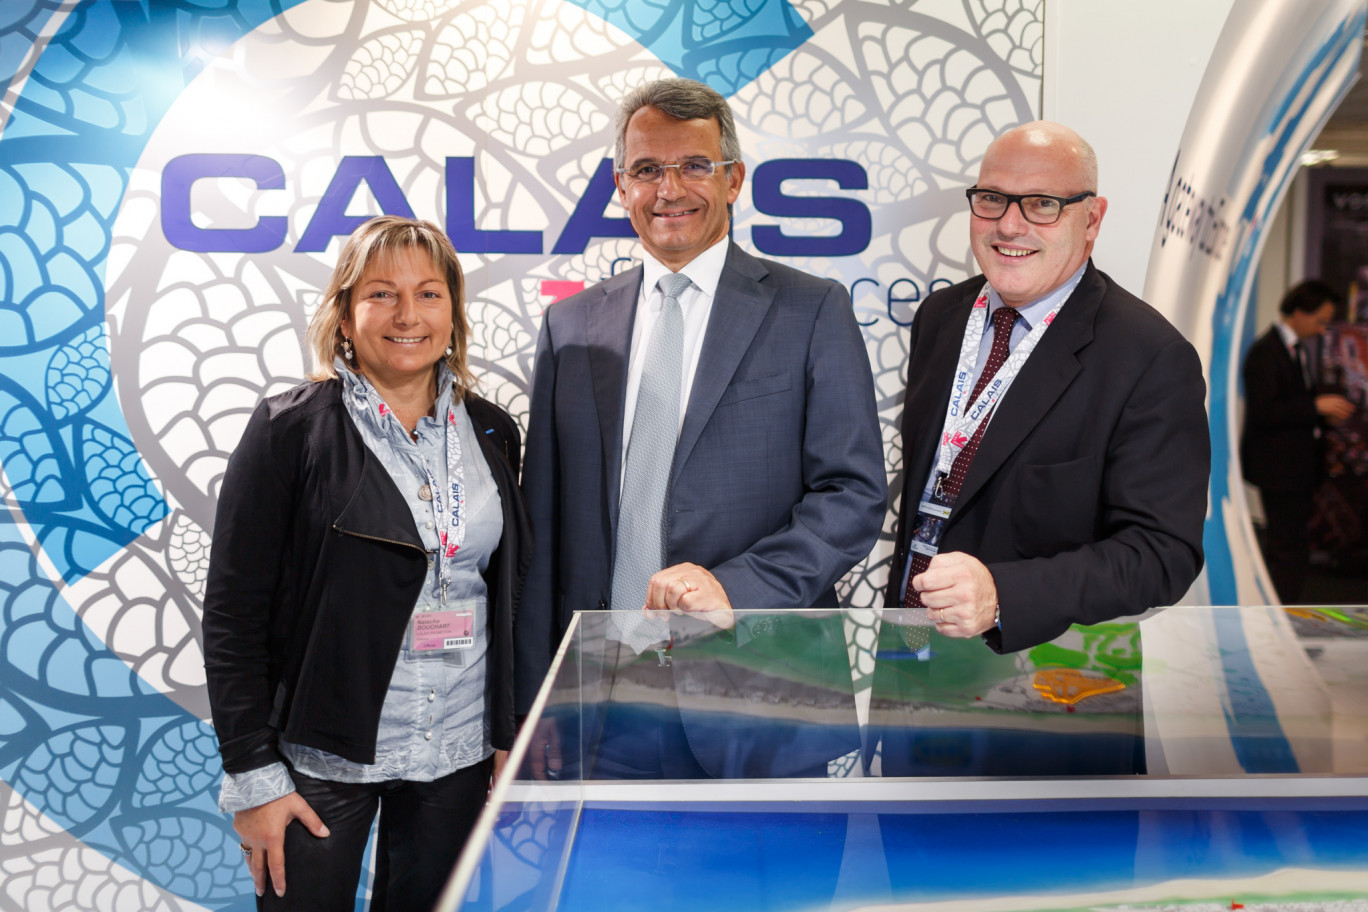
(432, 721)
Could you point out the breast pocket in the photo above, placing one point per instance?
(755, 388)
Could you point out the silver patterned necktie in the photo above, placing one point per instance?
(640, 549)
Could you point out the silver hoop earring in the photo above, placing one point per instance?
(347, 351)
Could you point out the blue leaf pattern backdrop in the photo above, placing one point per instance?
(128, 363)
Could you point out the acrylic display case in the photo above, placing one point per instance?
(1196, 758)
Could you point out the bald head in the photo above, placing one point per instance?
(1050, 141)
(1025, 261)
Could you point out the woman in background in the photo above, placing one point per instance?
(368, 553)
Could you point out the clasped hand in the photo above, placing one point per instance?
(689, 587)
(959, 594)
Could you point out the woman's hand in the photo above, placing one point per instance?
(262, 830)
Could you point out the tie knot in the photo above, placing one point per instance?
(1004, 318)
(673, 284)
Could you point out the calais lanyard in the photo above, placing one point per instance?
(962, 418)
(450, 530)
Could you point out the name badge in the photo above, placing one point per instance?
(440, 630)
(931, 508)
(922, 547)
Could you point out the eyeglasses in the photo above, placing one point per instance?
(1036, 208)
(695, 169)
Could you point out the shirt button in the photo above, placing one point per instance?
(427, 736)
(428, 524)
(432, 695)
(429, 563)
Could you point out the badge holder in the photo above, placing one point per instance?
(442, 631)
(932, 514)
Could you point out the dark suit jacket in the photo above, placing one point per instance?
(1279, 449)
(778, 481)
(315, 568)
(1088, 492)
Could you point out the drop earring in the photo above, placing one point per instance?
(347, 351)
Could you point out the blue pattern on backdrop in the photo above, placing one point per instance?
(726, 45)
(85, 740)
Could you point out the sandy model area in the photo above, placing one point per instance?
(1287, 890)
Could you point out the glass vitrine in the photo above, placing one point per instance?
(814, 760)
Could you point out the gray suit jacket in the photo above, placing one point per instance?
(778, 481)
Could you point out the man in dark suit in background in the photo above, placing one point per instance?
(696, 444)
(1281, 452)
(1071, 485)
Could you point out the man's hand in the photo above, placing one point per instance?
(959, 594)
(262, 830)
(1334, 407)
(691, 588)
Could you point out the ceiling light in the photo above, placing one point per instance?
(1312, 157)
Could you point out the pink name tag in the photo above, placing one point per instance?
(434, 631)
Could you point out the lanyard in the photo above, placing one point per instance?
(962, 418)
(451, 530)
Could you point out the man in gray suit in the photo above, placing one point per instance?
(750, 475)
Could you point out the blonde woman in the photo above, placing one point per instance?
(368, 553)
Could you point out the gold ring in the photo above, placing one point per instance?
(685, 583)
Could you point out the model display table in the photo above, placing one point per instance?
(1200, 758)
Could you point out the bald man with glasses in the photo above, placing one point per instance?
(1055, 442)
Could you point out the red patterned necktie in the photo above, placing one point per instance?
(1003, 319)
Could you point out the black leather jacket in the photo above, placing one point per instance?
(315, 568)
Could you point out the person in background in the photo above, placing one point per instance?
(367, 552)
(1281, 451)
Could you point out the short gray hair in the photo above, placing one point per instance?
(1088, 157)
(682, 99)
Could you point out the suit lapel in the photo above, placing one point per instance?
(1044, 377)
(609, 333)
(737, 312)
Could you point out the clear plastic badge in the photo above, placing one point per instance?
(439, 629)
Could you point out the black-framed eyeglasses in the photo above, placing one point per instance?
(695, 169)
(1036, 208)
